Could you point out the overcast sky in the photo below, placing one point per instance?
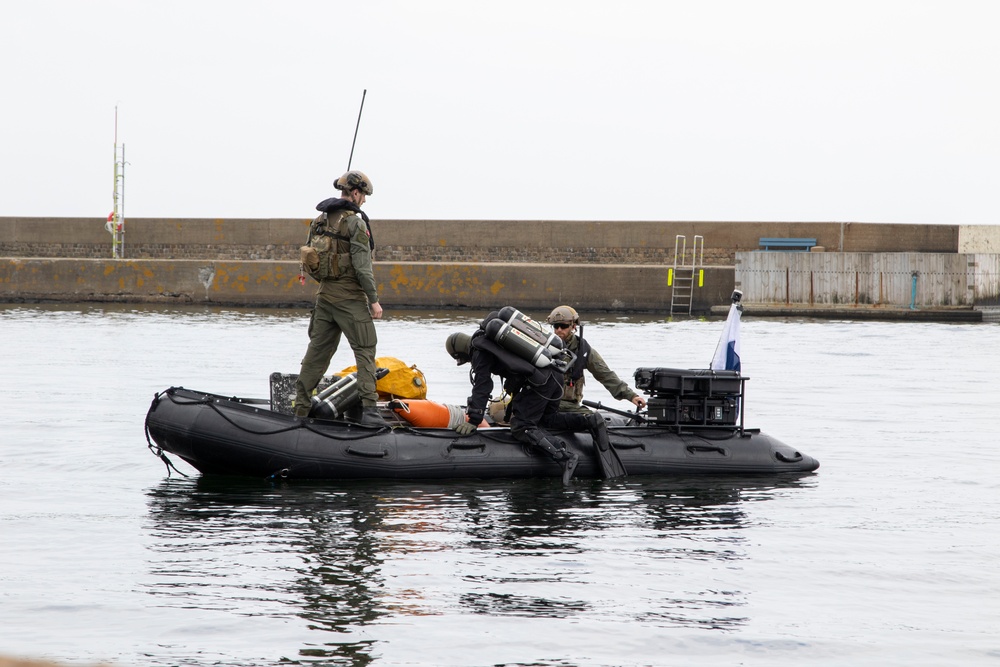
(868, 111)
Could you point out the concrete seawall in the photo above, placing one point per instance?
(593, 265)
(621, 287)
(458, 240)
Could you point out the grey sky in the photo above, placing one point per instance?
(877, 111)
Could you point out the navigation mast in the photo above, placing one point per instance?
(116, 220)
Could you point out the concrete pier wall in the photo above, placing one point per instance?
(458, 240)
(625, 288)
(593, 265)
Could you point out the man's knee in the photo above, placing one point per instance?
(567, 421)
(571, 407)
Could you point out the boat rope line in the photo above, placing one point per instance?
(156, 449)
(212, 402)
(245, 429)
(445, 433)
(625, 442)
(358, 436)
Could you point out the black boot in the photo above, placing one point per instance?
(555, 448)
(371, 417)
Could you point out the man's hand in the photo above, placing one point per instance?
(376, 309)
(465, 428)
(639, 401)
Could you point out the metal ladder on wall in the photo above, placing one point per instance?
(681, 275)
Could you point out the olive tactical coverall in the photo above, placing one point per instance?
(342, 307)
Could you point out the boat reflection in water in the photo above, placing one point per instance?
(350, 560)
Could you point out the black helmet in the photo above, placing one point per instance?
(459, 346)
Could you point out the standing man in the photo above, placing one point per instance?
(339, 256)
(565, 320)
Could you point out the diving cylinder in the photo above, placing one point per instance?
(333, 402)
(519, 343)
(526, 325)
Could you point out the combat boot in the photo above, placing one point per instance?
(555, 448)
(371, 417)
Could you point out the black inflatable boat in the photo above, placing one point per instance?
(691, 428)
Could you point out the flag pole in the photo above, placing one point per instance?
(727, 351)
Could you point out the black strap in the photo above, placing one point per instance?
(513, 364)
(509, 410)
(335, 204)
(334, 235)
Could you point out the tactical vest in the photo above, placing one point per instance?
(582, 357)
(327, 255)
(573, 380)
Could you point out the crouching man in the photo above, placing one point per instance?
(535, 398)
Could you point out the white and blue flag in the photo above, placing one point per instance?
(727, 352)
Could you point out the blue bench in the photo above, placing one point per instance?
(787, 244)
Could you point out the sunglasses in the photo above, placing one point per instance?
(561, 326)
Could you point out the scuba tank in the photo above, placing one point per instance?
(526, 325)
(333, 402)
(524, 346)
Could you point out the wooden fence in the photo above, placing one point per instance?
(905, 279)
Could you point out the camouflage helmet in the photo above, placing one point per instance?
(354, 180)
(459, 346)
(563, 315)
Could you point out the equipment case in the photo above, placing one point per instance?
(721, 411)
(683, 382)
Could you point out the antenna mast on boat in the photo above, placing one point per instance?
(116, 221)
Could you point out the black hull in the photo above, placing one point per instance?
(229, 436)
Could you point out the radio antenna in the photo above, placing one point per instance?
(116, 220)
(351, 158)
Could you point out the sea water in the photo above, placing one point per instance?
(885, 555)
